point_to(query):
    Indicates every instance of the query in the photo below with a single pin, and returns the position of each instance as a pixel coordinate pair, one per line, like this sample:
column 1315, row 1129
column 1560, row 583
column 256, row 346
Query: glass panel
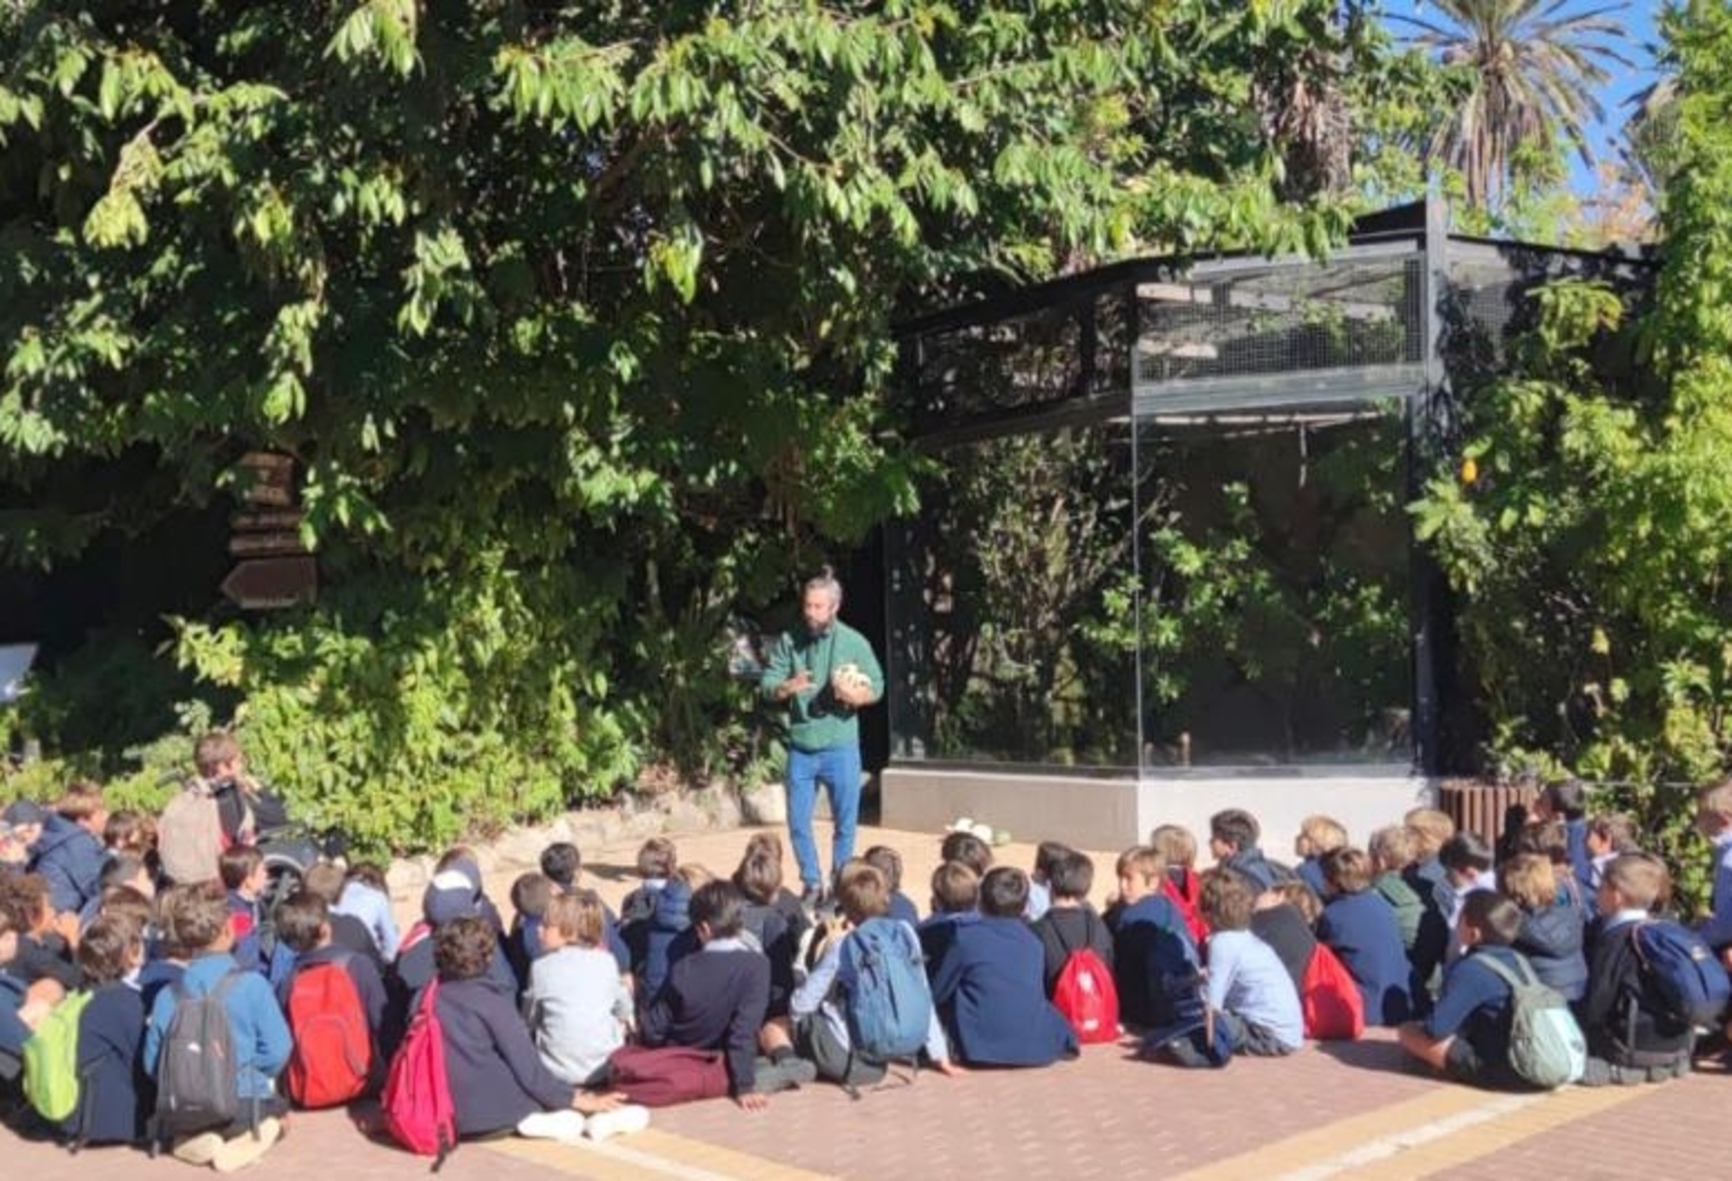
column 1274, row 617
column 1012, row 622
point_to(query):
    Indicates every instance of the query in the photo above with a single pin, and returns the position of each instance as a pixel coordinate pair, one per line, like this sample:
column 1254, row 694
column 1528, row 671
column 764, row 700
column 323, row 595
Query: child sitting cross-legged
column 1633, row 1035
column 498, row 1082
column 717, row 998
column 821, row 1007
column 955, row 903
column 1551, row 934
column 578, row 1005
column 1362, row 930
column 990, row 992
column 1070, row 923
column 1248, row 986
column 1467, row 1035
column 197, row 919
column 335, row 1002
column 110, row 1035
column 1152, row 948
column 1178, row 846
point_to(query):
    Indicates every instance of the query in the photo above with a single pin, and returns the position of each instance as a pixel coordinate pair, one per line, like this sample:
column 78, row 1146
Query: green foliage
column 529, row 288
column 1592, row 551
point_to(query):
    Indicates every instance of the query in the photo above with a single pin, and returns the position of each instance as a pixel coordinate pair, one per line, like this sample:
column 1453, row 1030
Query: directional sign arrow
column 264, row 584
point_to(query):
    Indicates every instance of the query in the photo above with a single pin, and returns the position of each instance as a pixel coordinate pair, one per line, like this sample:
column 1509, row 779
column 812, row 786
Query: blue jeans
column 838, row 769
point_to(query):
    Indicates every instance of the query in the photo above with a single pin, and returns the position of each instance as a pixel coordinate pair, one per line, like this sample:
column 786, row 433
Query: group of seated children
column 552, row 1024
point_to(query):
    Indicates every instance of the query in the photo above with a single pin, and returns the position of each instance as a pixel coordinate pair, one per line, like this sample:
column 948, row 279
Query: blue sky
column 1640, row 20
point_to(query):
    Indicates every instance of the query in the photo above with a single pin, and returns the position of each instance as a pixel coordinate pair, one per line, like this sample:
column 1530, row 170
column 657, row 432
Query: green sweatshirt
column 817, row 721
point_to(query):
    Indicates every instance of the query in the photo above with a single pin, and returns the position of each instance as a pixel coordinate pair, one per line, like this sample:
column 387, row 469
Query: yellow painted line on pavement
column 651, row 1155
column 1415, row 1137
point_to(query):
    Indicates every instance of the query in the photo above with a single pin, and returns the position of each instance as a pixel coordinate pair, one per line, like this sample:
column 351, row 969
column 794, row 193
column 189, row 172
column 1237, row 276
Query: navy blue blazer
column 1363, row 931
column 491, row 1064
column 111, row 1102
column 991, row 995
column 72, row 860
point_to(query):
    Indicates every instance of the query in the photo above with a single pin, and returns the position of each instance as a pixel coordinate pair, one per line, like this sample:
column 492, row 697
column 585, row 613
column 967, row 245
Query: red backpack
column 332, row 1060
column 1085, row 993
column 417, row 1103
column 1330, row 999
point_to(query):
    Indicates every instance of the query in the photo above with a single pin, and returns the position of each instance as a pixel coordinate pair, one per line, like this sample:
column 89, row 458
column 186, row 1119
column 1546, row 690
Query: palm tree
column 1532, row 71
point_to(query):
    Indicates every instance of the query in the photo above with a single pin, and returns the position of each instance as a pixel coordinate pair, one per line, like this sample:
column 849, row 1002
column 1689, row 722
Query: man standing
column 824, row 674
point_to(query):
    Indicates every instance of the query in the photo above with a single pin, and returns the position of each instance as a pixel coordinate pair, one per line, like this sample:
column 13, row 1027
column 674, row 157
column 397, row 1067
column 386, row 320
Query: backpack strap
column 1508, row 974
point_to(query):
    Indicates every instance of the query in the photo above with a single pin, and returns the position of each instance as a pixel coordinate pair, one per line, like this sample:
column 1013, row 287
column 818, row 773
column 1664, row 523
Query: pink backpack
column 417, row 1103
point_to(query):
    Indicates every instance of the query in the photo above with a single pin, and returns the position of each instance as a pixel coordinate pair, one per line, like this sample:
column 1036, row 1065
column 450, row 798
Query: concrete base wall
column 1106, row 814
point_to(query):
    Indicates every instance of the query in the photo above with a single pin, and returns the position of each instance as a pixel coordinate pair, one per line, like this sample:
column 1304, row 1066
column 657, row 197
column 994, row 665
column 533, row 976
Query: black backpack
column 196, row 1085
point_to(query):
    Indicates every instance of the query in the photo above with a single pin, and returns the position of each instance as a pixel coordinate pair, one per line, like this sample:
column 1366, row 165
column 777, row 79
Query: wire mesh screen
column 1017, row 363
column 1287, row 325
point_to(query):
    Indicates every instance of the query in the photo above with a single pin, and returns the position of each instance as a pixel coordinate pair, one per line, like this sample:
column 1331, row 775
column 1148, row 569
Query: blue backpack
column 890, row 1008
column 1685, row 971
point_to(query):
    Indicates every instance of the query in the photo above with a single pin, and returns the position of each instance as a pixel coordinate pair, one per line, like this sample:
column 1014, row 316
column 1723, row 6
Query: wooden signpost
column 275, row 569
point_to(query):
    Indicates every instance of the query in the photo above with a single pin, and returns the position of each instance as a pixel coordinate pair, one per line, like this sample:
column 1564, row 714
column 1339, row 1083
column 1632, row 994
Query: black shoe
column 811, row 898
column 787, row 1075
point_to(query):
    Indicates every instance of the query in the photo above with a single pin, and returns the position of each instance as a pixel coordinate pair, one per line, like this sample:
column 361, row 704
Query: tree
column 1591, row 547
column 576, row 317
column 1528, row 70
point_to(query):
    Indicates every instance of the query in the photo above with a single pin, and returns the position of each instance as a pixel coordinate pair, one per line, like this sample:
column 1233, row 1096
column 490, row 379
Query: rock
column 518, row 847
column 407, row 877
column 765, row 803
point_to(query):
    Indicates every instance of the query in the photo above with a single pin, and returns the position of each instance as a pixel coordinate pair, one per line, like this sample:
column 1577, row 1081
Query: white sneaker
column 621, row 1121
column 247, row 1148
column 197, row 1150
column 565, row 1126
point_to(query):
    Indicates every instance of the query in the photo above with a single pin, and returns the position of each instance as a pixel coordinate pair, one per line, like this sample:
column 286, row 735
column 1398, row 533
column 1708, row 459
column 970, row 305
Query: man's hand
column 796, row 684
column 752, row 1101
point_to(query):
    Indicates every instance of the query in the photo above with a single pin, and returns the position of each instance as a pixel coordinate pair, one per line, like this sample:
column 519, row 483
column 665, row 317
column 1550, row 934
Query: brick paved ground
column 1342, row 1111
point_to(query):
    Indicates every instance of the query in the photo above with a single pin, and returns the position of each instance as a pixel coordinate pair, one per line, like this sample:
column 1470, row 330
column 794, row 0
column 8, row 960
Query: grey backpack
column 1546, row 1047
column 196, row 1084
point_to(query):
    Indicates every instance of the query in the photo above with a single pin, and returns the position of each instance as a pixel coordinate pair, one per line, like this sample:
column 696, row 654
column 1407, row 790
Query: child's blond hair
column 1641, row 879
column 1142, row 861
column 1528, row 878
column 1431, row 829
column 1324, row 834
column 1391, row 848
column 577, row 916
column 1176, row 843
column 1301, row 898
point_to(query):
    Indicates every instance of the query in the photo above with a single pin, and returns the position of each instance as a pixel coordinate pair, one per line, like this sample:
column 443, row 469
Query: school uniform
column 1474, row 1008
column 653, row 916
column 111, row 1101
column 820, row 1007
column 1286, row 932
column 576, row 1005
column 988, row 994
column 780, row 942
column 1551, row 939
column 1153, row 957
column 13, row 1032
column 1623, row 1017
column 937, row 935
column 1250, row 986
column 1362, row 931
column 351, row 934
column 714, row 999
column 1716, row 929
column 1310, row 871
column 902, row 908
column 260, row 1036
column 491, row 1066
column 372, row 909
column 1064, row 929
column 71, row 859
column 45, row 957
column 1261, row 872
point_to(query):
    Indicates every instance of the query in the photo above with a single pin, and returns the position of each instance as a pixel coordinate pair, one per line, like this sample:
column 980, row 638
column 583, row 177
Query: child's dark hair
column 463, row 948
column 886, row 861
column 1004, row 892
column 1495, row 916
column 124, row 902
column 530, row 894
column 561, row 862
column 1549, row 838
column 24, row 896
column 1225, row 900
column 122, row 869
column 1072, row 876
column 368, row 874
column 1235, row 827
column 759, row 876
column 955, row 888
column 196, row 916
column 1568, row 799
column 720, row 906
column 1047, row 855
column 237, row 864
column 1348, row 870
column 968, row 849
column 1617, row 830
column 301, row 918
column 108, row 947
column 326, row 880
column 1465, row 850
column 79, row 802
column 131, row 831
